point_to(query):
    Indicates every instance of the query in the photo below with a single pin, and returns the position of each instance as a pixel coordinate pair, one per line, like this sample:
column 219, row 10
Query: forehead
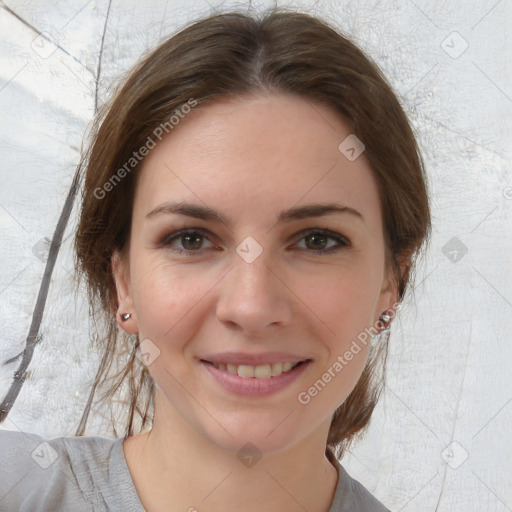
column 257, row 154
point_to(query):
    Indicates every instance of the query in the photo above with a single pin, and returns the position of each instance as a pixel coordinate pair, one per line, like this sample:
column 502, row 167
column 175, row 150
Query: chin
column 263, row 436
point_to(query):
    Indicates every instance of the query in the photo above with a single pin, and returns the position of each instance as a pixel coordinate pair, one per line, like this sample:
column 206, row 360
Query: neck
column 174, row 467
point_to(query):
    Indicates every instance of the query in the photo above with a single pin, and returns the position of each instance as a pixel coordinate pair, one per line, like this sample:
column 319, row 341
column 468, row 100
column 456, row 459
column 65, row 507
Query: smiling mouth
column 264, row 371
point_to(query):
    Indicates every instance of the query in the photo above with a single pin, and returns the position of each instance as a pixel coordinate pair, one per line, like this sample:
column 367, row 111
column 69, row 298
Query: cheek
column 163, row 296
column 342, row 299
column 165, row 301
column 171, row 301
column 344, row 308
column 343, row 302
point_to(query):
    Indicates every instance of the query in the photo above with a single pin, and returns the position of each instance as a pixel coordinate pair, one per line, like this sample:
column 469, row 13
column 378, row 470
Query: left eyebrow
column 298, row 212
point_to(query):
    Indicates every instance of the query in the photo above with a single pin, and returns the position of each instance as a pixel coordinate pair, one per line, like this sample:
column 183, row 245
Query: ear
column 389, row 295
column 121, row 272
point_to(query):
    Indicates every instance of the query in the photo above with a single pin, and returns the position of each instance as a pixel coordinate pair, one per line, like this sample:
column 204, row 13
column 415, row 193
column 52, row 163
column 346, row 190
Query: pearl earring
column 125, row 316
column 385, row 318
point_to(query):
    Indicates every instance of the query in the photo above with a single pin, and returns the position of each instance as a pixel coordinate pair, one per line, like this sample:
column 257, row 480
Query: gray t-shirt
column 78, row 474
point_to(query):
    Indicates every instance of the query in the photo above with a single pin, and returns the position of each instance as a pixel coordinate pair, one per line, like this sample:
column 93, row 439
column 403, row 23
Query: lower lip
column 248, row 386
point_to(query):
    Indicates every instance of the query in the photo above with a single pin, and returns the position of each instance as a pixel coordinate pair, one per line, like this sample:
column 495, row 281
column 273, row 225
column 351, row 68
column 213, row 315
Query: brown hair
column 234, row 54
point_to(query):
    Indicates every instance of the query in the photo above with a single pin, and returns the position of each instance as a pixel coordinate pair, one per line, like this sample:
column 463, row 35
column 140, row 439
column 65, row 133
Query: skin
column 249, row 158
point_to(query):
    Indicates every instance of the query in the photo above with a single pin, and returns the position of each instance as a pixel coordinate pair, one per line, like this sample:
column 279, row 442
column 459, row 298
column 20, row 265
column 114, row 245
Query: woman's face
column 273, row 282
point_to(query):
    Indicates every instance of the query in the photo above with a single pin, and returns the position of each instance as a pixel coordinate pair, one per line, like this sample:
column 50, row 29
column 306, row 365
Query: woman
column 253, row 204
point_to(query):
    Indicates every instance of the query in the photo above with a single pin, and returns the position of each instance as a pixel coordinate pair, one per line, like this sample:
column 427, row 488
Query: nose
column 254, row 297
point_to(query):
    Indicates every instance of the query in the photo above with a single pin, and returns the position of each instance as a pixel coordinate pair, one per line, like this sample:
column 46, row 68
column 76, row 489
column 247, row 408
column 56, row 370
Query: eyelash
column 343, row 242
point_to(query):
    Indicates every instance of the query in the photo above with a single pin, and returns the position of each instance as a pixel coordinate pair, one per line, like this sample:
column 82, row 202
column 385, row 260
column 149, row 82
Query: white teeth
column 287, row 366
column 264, row 371
column 277, row 369
column 245, row 370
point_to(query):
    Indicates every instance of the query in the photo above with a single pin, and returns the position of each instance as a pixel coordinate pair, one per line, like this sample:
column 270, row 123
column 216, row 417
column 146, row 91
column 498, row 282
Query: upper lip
column 239, row 358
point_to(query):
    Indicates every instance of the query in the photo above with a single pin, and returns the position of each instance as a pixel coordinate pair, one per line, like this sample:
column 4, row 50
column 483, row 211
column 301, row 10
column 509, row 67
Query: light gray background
column 449, row 392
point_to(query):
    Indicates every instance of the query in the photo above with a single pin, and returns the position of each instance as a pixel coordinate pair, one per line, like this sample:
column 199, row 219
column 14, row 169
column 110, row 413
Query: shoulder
column 352, row 496
column 64, row 473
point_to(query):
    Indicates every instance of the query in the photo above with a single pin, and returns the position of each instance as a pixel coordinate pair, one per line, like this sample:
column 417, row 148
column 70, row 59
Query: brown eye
column 318, row 240
column 191, row 240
